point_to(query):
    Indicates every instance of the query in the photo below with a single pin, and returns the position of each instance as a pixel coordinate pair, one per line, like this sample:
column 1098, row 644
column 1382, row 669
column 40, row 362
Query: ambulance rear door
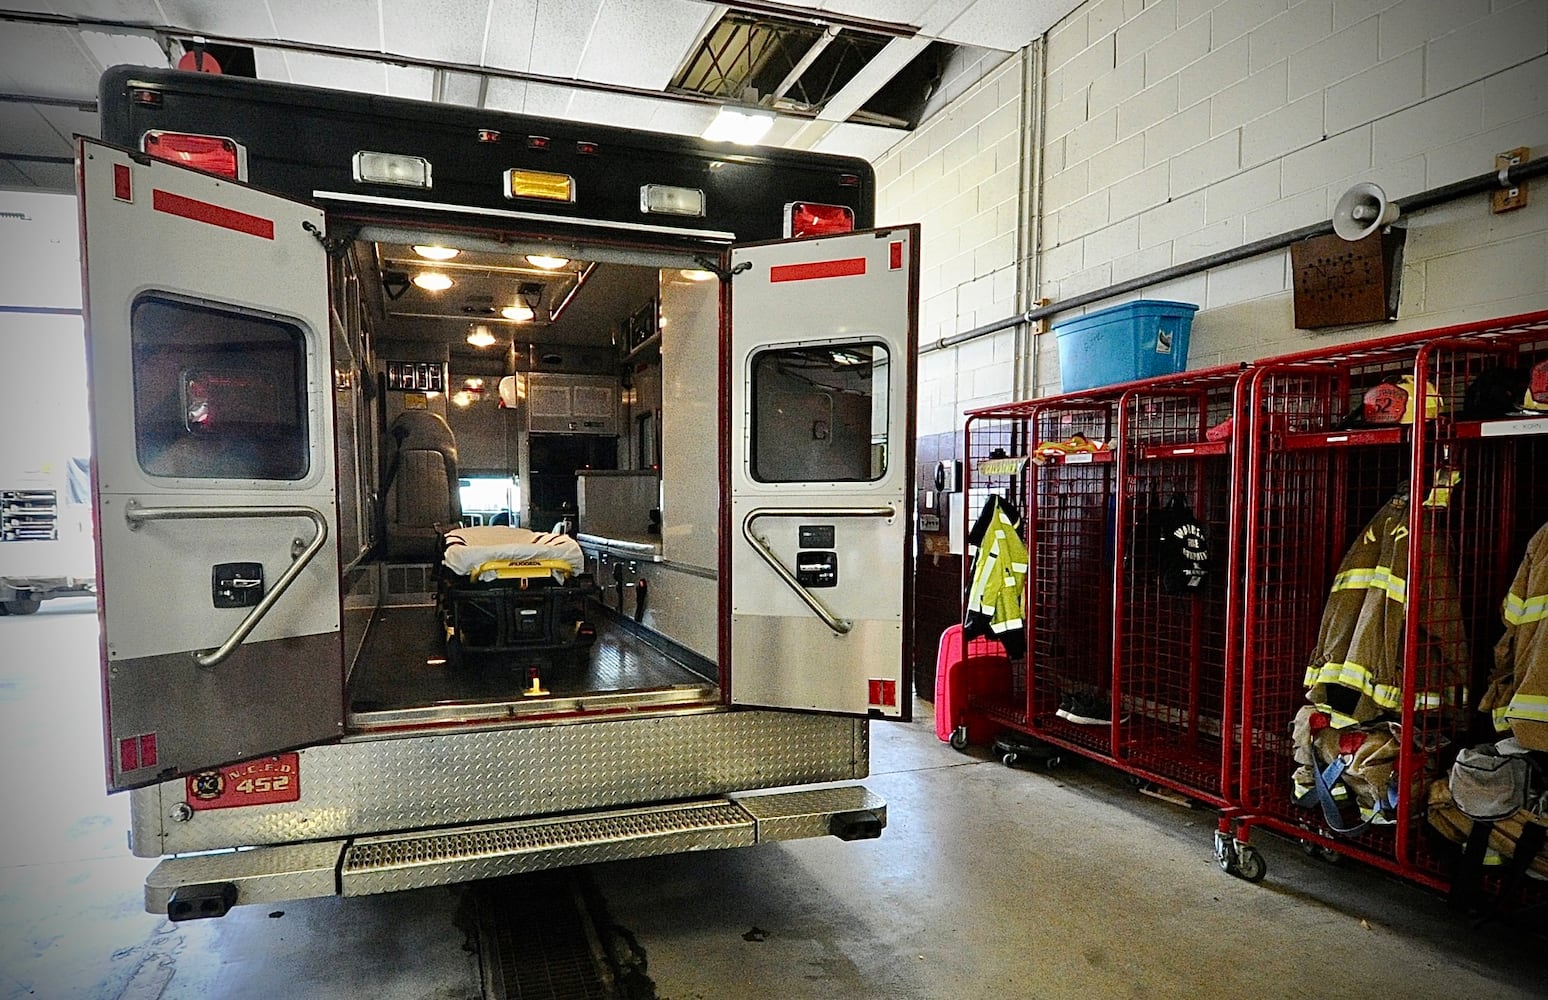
column 212, row 388
column 819, row 459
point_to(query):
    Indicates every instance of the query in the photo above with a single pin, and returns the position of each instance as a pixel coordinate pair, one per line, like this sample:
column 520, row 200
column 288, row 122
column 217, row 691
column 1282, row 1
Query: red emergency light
column 212, row 154
column 808, row 218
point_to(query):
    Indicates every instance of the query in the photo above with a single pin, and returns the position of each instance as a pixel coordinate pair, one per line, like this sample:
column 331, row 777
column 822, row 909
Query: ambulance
column 333, row 338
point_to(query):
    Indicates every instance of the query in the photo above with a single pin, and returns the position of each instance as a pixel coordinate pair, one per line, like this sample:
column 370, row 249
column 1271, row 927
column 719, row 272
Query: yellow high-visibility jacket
column 999, row 578
column 1360, row 642
column 1517, row 695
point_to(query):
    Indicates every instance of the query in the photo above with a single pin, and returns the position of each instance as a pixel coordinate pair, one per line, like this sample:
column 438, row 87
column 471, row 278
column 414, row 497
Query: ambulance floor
column 988, row 882
column 403, row 665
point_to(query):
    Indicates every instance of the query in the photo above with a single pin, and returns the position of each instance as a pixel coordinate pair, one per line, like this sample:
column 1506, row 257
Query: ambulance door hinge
column 334, row 246
column 720, row 272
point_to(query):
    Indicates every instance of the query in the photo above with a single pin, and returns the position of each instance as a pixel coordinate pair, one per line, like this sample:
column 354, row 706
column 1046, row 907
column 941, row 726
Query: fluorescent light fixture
column 481, row 337
column 744, row 128
column 432, row 252
column 519, row 313
column 546, row 262
column 432, row 281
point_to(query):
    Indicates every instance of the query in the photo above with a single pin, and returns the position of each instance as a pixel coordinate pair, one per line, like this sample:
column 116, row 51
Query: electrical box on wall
column 948, row 476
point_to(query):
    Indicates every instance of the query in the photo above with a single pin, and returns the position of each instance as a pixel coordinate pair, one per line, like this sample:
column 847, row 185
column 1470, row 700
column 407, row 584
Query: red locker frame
column 1313, row 484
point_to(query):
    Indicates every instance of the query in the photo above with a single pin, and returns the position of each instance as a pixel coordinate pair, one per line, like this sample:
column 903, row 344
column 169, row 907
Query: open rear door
column 211, row 379
column 821, row 452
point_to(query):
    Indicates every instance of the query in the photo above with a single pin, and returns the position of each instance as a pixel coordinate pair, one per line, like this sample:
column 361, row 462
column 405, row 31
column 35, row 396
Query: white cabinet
column 572, row 404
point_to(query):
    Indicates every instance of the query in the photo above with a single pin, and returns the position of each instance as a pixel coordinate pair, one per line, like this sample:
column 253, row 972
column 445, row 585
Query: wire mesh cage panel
column 1176, row 645
column 1379, row 544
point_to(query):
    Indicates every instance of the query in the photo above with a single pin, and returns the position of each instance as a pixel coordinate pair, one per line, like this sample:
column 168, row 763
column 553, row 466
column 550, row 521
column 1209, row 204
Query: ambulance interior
column 579, row 384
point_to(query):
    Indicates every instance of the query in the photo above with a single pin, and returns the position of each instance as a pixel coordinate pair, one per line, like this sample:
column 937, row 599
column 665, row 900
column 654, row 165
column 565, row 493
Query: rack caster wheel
column 959, row 739
column 1009, row 760
column 1052, row 763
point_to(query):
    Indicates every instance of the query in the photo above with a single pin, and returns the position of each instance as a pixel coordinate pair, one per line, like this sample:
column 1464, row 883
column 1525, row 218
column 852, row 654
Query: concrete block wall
column 1177, row 128
column 959, row 176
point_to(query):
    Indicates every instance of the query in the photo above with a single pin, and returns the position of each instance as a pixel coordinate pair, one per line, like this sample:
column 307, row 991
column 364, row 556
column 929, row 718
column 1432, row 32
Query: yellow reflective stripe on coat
column 1374, row 578
column 1528, row 707
column 1360, row 678
column 1521, row 610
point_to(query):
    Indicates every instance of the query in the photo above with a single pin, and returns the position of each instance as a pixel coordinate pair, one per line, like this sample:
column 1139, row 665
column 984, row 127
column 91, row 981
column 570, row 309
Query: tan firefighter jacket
column 1517, row 695
column 1360, row 643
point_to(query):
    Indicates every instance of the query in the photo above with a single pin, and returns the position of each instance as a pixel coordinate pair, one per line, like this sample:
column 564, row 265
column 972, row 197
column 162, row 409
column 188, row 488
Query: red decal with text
column 818, row 269
column 253, row 783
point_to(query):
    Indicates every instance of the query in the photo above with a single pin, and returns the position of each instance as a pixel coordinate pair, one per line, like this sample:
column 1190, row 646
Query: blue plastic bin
column 1133, row 341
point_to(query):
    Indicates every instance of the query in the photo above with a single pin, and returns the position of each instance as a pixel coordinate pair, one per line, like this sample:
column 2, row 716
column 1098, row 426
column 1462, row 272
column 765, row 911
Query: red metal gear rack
column 1314, row 481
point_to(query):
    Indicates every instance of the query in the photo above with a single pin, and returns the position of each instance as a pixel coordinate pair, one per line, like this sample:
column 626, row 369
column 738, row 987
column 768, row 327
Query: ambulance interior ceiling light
column 696, row 274
column 432, row 281
column 744, row 128
column 432, row 252
column 518, row 312
column 545, row 261
column 480, row 336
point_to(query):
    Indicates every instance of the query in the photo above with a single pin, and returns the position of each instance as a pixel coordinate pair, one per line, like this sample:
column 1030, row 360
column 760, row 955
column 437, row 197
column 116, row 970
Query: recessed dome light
column 432, row 281
column 433, row 252
column 481, row 337
column 519, row 313
column 546, row 262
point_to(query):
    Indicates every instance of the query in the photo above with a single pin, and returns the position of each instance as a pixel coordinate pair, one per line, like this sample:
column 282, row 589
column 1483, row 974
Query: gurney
column 506, row 590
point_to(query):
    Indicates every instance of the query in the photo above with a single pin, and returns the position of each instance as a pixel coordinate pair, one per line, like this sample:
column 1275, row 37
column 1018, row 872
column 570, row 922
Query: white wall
column 959, row 176
column 1172, row 129
column 1177, row 128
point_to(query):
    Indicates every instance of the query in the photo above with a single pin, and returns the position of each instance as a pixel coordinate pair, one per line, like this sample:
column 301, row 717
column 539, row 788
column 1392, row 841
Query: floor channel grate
column 536, row 940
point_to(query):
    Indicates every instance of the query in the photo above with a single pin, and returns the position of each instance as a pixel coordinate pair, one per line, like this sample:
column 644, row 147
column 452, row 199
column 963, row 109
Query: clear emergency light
column 213, row 154
column 665, row 199
column 391, row 168
column 808, row 218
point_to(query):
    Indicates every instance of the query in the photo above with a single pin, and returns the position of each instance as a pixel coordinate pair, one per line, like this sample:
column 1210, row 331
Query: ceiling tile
column 546, row 101
column 1006, row 25
column 352, row 23
column 897, row 11
column 506, row 95
column 247, row 20
column 560, row 35
column 67, row 122
column 620, row 110
column 445, row 30
column 138, row 48
column 461, row 88
column 511, row 34
column 50, row 176
column 148, row 11
column 656, row 35
column 867, row 141
column 46, row 61
column 413, row 82
column 271, row 65
column 24, row 130
column 10, row 177
column 337, row 73
column 681, row 118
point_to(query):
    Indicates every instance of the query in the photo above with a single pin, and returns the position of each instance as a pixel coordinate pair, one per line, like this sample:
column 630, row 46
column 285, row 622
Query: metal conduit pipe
column 1413, row 203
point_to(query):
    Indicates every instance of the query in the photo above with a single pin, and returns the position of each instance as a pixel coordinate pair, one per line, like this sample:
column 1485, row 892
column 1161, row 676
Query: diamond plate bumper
column 370, row 865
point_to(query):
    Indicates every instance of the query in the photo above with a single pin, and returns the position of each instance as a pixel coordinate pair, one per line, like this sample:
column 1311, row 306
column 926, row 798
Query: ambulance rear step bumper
column 208, row 885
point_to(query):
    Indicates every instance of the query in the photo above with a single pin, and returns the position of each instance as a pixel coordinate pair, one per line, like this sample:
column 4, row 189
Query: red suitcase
column 961, row 676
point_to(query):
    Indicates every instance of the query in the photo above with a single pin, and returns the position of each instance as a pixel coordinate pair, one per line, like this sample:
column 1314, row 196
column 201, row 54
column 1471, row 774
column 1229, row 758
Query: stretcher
column 517, row 592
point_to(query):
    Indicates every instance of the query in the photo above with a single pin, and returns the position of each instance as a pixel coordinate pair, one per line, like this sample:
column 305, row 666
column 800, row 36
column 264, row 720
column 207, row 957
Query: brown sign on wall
column 1340, row 282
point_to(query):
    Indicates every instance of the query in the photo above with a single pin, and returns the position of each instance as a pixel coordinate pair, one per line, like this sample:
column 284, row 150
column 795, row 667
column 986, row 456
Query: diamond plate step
column 390, row 863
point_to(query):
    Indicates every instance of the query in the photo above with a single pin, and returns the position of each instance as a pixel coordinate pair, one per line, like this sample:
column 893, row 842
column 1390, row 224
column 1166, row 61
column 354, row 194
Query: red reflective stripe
column 203, row 211
column 123, row 189
column 818, row 269
column 129, row 754
column 895, row 256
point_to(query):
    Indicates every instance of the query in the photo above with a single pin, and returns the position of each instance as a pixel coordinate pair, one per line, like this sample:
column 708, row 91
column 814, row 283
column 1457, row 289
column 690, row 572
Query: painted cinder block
column 1512, row 36
column 1368, row 96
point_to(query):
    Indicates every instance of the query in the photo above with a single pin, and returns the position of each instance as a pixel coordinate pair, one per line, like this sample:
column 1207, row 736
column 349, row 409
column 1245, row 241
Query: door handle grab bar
column 137, row 515
column 840, row 626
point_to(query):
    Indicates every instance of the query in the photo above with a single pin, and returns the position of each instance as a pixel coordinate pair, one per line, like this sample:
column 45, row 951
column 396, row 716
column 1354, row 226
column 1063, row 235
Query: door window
column 218, row 394
column 820, row 414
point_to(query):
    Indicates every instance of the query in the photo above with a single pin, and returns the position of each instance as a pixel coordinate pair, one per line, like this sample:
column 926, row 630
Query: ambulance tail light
column 213, row 154
column 808, row 218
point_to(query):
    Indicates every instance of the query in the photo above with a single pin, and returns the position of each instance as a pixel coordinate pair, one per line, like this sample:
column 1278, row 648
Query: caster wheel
column 1009, row 760
column 23, row 606
column 1052, row 763
column 1250, row 865
column 1134, row 781
column 959, row 738
column 1225, row 853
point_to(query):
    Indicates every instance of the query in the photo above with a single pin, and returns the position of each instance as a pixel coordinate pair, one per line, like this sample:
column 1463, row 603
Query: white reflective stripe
column 1528, row 708
column 1520, row 610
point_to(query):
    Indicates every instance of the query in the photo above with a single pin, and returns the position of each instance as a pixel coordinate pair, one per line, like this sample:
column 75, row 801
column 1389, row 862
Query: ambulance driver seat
column 421, row 499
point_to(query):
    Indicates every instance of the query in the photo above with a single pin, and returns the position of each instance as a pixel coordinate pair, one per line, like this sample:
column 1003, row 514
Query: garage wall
column 959, row 176
column 1177, row 128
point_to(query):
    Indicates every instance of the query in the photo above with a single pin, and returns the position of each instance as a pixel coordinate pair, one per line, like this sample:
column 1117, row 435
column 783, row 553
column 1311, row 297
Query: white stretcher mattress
column 469, row 548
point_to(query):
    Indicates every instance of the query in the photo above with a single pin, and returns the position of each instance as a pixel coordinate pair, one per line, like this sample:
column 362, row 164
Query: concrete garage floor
column 987, row 882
